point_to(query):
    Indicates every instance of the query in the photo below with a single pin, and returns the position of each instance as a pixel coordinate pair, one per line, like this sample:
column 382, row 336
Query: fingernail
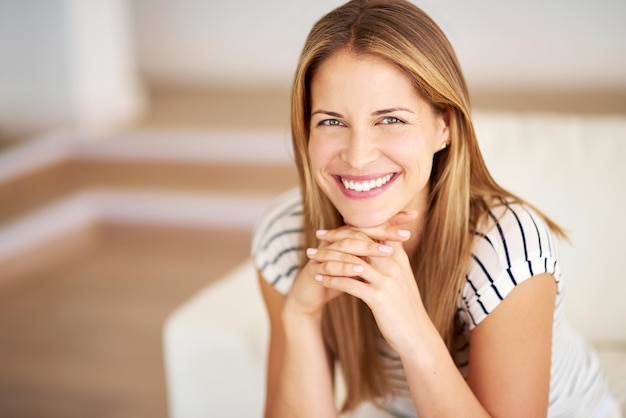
column 385, row 249
column 411, row 212
column 320, row 232
column 358, row 269
column 318, row 277
column 404, row 233
column 311, row 251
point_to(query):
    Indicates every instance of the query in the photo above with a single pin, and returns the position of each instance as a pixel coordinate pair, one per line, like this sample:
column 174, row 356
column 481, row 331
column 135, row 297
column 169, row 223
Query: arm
column 519, row 329
column 299, row 375
column 510, row 351
column 510, row 354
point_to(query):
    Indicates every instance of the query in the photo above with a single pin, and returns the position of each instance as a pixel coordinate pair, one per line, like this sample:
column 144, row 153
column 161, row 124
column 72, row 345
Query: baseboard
column 82, row 209
column 270, row 148
column 77, row 211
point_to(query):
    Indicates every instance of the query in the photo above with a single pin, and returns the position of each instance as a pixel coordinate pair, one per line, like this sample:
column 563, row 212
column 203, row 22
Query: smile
column 366, row 185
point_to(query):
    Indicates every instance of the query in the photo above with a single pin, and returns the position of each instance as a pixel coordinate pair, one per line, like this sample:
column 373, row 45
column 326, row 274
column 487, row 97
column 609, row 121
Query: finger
column 375, row 234
column 387, row 232
column 340, row 233
column 358, row 248
column 347, row 285
column 397, row 264
column 351, row 241
column 327, row 254
column 395, row 229
column 322, row 255
column 338, row 269
column 403, row 218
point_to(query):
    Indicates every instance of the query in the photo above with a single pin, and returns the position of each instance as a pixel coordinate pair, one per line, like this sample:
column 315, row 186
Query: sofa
column 573, row 167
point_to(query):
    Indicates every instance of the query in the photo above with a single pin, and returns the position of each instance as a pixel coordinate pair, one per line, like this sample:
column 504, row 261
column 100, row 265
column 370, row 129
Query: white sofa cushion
column 574, row 169
column 215, row 348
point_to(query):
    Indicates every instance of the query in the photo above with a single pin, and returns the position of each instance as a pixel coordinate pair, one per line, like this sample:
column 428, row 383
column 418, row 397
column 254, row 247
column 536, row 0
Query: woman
column 436, row 291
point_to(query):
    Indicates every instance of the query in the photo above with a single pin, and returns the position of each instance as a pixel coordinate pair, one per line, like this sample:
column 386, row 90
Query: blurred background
column 139, row 139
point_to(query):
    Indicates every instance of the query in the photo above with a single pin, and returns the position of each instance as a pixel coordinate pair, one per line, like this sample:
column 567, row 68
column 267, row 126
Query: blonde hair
column 460, row 184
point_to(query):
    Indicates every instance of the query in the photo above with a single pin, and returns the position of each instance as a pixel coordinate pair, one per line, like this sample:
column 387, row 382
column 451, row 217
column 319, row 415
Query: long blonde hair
column 460, row 184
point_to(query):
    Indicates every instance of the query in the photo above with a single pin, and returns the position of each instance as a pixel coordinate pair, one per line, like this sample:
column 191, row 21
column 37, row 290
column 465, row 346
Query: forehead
column 345, row 78
column 344, row 65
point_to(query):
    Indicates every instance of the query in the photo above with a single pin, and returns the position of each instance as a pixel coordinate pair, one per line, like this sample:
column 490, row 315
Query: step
column 63, row 183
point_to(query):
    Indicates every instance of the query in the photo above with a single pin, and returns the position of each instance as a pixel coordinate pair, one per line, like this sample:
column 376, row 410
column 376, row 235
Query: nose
column 359, row 150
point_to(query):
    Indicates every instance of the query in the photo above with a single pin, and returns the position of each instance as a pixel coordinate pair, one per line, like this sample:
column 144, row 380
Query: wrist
column 423, row 348
column 295, row 320
column 421, row 334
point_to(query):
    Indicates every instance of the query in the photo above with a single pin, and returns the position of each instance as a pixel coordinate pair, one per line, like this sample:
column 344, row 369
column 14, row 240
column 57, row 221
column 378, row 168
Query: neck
column 417, row 229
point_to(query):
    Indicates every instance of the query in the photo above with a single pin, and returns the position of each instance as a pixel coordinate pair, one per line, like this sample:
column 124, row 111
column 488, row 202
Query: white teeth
column 366, row 186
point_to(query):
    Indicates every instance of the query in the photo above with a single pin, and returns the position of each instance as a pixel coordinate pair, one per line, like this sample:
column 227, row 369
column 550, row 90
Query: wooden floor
column 81, row 333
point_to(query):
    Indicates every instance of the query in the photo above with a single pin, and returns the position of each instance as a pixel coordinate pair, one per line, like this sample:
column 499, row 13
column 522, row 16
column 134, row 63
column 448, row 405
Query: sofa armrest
column 215, row 346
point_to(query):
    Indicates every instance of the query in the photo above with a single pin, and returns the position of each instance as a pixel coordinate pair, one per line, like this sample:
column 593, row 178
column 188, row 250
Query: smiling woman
column 378, row 139
column 437, row 291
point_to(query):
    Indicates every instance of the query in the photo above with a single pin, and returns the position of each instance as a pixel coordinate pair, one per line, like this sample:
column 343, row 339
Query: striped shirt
column 511, row 246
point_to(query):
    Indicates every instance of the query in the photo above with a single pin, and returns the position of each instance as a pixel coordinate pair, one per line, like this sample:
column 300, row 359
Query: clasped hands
column 370, row 264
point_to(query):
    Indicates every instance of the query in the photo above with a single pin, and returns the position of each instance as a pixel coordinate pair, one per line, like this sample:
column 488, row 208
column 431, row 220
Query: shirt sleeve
column 277, row 249
column 516, row 246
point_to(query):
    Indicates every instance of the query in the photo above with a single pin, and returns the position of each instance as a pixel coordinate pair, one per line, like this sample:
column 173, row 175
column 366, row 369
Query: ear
column 443, row 127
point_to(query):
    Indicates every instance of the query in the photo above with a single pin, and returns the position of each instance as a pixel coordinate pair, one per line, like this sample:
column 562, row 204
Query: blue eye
column 390, row 120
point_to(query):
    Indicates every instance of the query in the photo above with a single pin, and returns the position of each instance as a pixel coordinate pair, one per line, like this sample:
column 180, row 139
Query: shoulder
column 514, row 233
column 511, row 244
column 277, row 241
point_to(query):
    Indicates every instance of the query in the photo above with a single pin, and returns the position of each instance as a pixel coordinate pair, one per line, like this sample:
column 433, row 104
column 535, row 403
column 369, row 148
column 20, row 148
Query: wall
column 564, row 44
column 69, row 63
column 33, row 65
column 66, row 64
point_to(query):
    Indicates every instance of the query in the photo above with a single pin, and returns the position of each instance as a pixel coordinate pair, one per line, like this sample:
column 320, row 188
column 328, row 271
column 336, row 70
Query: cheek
column 317, row 160
column 415, row 155
column 319, row 154
column 417, row 161
column 313, row 151
column 426, row 163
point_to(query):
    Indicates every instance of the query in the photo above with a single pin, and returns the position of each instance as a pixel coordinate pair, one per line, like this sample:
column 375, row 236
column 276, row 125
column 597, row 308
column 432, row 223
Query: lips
column 364, row 186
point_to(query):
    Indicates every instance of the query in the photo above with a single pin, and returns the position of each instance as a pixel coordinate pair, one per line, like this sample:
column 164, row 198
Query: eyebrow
column 327, row 112
column 375, row 113
column 391, row 110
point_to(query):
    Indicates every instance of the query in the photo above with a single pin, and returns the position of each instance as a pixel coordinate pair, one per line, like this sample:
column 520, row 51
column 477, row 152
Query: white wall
column 78, row 62
column 66, row 64
column 33, row 65
column 554, row 43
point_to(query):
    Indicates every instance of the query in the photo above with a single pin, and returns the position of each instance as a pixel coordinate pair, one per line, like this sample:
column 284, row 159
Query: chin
column 364, row 220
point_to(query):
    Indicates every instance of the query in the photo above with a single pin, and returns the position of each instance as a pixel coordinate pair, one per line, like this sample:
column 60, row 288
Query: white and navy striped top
column 513, row 245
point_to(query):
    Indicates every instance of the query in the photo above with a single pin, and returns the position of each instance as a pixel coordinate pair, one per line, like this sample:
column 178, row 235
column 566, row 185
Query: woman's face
column 372, row 138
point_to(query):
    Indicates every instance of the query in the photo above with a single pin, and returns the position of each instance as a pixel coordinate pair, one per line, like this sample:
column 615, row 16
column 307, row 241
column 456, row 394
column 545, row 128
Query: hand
column 307, row 297
column 371, row 264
